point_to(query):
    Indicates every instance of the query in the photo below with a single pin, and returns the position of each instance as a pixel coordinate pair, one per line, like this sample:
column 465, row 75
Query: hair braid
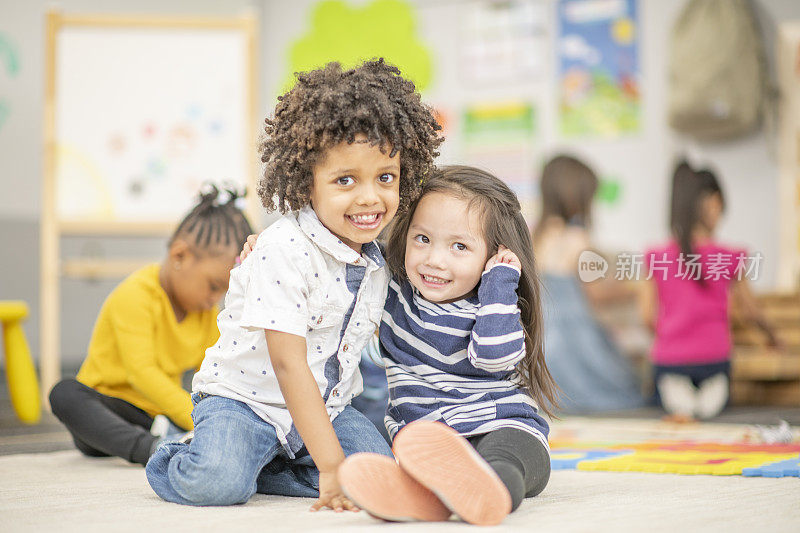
column 214, row 225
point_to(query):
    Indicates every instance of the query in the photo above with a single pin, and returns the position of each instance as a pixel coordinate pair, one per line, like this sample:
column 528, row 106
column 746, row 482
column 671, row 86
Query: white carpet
column 64, row 491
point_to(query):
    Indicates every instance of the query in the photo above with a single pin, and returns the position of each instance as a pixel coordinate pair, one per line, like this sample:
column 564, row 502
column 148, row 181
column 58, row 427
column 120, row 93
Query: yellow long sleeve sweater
column 139, row 351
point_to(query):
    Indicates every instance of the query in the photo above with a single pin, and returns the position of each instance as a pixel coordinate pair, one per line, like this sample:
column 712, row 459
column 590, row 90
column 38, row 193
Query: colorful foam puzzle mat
column 789, row 467
column 567, row 459
column 679, row 457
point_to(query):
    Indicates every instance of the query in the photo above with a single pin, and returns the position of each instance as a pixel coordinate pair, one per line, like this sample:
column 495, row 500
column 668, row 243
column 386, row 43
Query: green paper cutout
column 5, row 110
column 8, row 56
column 9, row 61
column 351, row 35
column 609, row 191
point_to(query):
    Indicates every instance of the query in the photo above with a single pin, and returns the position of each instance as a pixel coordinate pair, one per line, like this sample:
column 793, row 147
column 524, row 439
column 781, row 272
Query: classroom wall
column 640, row 163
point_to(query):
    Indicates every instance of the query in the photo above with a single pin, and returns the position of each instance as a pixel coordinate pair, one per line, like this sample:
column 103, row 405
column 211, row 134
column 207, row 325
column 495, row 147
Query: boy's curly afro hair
column 330, row 105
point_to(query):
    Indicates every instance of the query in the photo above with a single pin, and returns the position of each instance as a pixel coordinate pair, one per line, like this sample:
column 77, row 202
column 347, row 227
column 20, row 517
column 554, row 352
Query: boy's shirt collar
column 331, row 244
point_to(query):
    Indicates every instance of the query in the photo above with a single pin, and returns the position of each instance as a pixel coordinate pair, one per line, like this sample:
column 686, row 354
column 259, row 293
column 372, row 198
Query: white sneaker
column 712, row 396
column 166, row 431
column 163, row 427
column 678, row 395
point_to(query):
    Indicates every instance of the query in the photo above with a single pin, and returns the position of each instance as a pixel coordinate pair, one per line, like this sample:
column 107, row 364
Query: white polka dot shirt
column 299, row 279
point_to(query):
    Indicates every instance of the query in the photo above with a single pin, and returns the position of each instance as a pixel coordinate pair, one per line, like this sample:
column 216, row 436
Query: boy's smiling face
column 356, row 191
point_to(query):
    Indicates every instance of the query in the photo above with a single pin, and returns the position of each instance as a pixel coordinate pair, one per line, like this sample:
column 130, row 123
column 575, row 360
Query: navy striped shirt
column 455, row 363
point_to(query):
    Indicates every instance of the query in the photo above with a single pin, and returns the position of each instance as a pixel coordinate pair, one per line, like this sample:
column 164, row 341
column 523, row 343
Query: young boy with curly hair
column 345, row 150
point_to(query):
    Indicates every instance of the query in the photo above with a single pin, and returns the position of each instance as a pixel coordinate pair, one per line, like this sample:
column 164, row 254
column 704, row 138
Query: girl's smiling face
column 356, row 191
column 445, row 248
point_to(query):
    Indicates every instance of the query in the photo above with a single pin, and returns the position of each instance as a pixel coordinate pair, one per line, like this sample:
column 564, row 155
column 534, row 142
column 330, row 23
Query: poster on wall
column 503, row 41
column 598, row 68
column 499, row 137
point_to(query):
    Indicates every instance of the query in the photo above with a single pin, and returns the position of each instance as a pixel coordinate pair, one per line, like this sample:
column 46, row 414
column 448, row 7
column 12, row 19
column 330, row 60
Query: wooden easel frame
column 52, row 228
column 788, row 69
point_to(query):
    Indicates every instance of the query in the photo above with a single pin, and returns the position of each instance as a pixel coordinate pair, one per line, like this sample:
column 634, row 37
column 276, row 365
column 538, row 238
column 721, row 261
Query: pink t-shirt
column 693, row 326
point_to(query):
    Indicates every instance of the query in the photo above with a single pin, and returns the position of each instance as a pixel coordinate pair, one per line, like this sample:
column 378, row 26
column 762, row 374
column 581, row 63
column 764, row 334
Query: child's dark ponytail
column 216, row 223
column 689, row 189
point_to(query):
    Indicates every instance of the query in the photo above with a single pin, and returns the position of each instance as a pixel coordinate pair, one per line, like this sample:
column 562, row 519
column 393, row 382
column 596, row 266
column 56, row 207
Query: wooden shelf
column 782, row 315
column 754, row 337
column 759, row 364
column 102, row 268
column 784, row 393
column 115, row 228
column 761, row 375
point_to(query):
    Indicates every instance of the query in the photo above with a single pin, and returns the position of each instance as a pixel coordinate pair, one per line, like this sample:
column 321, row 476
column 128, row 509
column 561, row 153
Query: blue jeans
column 374, row 400
column 235, row 453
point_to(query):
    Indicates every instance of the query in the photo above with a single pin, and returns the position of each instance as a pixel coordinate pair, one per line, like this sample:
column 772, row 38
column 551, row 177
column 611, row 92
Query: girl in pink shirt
column 686, row 300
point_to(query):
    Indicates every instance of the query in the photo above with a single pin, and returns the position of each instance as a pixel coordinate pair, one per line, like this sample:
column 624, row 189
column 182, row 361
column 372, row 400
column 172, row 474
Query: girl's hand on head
column 504, row 256
column 249, row 244
column 331, row 495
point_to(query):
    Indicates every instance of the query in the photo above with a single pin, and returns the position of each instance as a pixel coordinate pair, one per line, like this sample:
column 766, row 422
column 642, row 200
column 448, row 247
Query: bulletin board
column 140, row 113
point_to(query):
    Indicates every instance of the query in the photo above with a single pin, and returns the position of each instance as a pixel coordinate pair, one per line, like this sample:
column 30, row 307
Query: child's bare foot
column 678, row 419
column 378, row 485
column 446, row 463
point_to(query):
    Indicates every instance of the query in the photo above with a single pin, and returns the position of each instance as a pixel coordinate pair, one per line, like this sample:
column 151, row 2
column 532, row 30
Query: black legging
column 101, row 425
column 520, row 460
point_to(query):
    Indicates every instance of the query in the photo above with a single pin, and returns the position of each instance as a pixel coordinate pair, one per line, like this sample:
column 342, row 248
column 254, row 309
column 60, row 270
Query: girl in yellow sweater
column 153, row 327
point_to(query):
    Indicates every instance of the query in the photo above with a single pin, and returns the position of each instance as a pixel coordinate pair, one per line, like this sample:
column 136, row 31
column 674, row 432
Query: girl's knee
column 537, row 470
column 62, row 397
column 540, row 478
column 87, row 450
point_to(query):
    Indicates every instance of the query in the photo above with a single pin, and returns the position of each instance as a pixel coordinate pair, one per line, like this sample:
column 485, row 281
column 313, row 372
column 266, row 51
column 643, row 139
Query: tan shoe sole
column 378, row 485
column 446, row 463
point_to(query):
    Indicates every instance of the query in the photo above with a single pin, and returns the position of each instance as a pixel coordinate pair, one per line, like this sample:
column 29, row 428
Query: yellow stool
column 23, row 385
